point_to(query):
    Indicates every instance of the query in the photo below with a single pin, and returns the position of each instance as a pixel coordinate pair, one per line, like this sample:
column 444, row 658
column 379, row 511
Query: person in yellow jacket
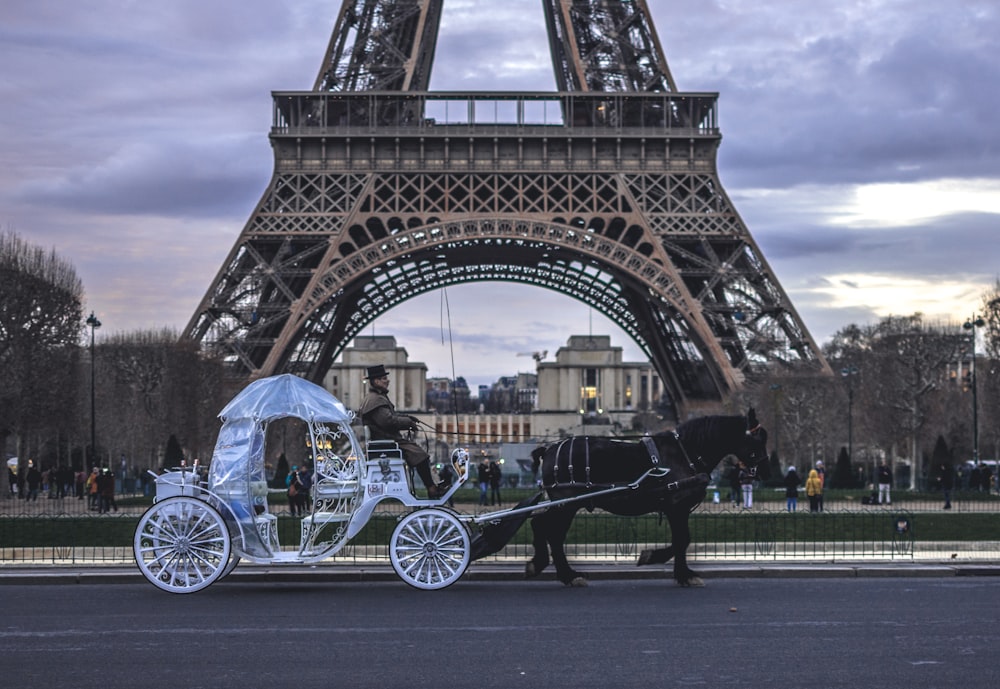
column 814, row 489
column 91, row 488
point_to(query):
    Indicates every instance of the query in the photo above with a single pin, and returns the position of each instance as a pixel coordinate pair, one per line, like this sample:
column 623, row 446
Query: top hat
column 373, row 372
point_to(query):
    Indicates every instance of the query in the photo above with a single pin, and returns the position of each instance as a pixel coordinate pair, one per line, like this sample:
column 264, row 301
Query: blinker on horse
column 666, row 473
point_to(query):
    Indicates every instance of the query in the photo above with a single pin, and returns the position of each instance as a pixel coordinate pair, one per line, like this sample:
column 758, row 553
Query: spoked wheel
column 429, row 549
column 182, row 545
column 234, row 560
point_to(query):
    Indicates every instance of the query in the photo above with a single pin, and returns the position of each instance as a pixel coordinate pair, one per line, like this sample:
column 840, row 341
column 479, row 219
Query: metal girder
column 605, row 45
column 384, row 45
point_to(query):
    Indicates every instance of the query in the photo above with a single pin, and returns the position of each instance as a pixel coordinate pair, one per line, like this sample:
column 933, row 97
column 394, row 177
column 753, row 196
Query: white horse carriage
column 196, row 532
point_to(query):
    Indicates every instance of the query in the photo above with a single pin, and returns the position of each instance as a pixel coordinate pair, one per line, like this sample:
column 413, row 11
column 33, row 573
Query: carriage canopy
column 285, row 395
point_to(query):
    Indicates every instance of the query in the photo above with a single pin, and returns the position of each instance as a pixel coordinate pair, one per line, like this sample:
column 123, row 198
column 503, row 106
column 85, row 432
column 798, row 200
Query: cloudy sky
column 861, row 146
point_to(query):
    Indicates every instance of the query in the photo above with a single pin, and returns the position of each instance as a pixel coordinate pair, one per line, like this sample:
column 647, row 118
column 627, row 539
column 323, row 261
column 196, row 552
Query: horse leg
column 540, row 560
column 655, row 556
column 681, row 535
column 560, row 524
column 550, row 529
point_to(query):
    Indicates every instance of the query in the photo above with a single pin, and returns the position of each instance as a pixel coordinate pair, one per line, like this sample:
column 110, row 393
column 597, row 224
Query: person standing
column 106, row 492
column 821, row 472
column 944, row 476
column 292, row 484
column 483, row 472
column 792, row 483
column 495, row 477
column 734, row 483
column 746, row 486
column 91, row 486
column 303, row 486
column 884, row 483
column 34, row 481
column 385, row 423
column 814, row 491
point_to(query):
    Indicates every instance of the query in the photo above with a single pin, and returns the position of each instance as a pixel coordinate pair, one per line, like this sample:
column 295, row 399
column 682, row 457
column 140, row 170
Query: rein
column 697, row 465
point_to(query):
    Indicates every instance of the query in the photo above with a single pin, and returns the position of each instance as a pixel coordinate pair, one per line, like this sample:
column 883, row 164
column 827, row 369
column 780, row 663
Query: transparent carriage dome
column 237, row 471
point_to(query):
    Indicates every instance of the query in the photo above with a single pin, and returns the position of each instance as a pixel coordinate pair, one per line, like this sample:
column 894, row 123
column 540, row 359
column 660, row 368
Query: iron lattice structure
column 606, row 191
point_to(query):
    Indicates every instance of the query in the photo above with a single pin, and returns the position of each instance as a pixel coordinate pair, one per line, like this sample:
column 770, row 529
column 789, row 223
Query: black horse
column 666, row 473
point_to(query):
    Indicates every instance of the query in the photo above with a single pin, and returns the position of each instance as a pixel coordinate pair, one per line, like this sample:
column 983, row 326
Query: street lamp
column 972, row 324
column 94, row 325
column 848, row 373
column 776, row 389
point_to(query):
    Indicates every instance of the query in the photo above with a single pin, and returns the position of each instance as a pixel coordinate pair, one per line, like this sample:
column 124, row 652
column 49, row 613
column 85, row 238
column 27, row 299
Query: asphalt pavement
column 381, row 572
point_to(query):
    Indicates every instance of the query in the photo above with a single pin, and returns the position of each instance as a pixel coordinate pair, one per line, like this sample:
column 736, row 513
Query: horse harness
column 656, row 470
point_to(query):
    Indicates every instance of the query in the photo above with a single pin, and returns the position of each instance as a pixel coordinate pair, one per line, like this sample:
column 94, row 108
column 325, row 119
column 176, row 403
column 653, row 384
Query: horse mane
column 705, row 430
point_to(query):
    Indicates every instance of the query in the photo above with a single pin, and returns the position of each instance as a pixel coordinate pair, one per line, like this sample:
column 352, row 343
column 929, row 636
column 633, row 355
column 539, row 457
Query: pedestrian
column 292, row 486
column 884, row 483
column 495, row 477
column 944, row 478
column 483, row 472
column 814, row 490
column 303, row 488
column 746, row 486
column 734, row 483
column 34, row 481
column 79, row 481
column 792, row 483
column 379, row 414
column 106, row 492
column 821, row 472
column 12, row 481
column 91, row 487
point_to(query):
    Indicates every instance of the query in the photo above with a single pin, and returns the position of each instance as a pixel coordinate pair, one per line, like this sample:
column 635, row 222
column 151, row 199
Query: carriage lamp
column 972, row 324
column 94, row 325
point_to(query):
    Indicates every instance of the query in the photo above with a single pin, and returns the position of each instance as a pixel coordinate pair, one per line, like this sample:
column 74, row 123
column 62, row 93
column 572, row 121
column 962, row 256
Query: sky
column 861, row 146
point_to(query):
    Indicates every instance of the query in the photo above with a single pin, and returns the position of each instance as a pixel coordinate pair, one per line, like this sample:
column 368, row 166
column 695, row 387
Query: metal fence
column 718, row 535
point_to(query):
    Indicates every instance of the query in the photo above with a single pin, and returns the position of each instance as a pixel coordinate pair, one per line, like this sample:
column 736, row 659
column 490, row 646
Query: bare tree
column 40, row 319
column 908, row 363
column 154, row 386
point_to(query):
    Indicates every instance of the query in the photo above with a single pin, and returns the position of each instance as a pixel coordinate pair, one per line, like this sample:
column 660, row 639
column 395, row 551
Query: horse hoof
column 693, row 582
column 579, row 582
column 529, row 570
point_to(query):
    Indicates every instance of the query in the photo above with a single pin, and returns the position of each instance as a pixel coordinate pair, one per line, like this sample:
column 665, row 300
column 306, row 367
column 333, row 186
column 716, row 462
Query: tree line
column 900, row 388
column 152, row 389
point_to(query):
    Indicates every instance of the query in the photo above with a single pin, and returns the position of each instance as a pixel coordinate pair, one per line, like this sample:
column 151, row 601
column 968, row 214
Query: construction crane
column 537, row 356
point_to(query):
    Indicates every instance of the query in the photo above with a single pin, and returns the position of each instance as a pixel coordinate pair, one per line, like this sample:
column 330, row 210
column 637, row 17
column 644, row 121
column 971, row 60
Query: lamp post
column 94, row 325
column 848, row 372
column 972, row 324
column 776, row 389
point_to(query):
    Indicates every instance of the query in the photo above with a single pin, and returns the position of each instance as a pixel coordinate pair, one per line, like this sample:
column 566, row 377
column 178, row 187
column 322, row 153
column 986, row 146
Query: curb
column 14, row 575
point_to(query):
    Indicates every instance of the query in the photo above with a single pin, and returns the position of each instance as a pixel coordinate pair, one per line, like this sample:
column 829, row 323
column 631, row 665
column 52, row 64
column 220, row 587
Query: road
column 797, row 632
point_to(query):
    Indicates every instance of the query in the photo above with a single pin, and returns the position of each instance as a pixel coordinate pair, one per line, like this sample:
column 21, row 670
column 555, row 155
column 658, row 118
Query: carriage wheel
column 234, row 560
column 182, row 545
column 429, row 549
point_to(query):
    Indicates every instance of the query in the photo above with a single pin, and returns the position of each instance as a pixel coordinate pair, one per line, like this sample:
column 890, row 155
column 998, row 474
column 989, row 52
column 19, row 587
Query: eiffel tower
column 606, row 190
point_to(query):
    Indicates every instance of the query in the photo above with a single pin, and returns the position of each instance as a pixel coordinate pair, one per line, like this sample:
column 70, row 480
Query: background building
column 407, row 381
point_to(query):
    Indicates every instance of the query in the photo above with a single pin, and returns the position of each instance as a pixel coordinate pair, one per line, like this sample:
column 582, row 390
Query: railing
column 758, row 536
column 425, row 114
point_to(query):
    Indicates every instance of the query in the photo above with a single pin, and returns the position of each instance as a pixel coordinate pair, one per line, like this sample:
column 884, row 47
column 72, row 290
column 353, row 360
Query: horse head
column 755, row 449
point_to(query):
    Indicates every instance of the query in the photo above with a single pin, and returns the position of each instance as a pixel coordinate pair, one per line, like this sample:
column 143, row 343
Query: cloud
column 859, row 146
